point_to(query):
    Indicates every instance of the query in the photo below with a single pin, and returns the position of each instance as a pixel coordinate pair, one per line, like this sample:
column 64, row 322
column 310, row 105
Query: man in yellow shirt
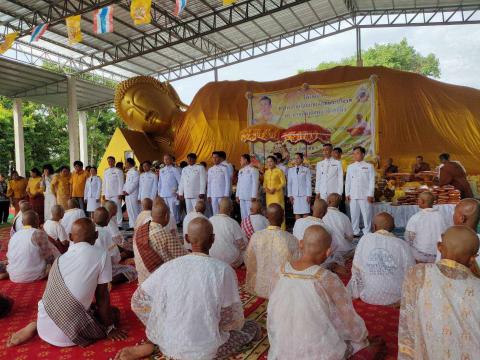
column 77, row 182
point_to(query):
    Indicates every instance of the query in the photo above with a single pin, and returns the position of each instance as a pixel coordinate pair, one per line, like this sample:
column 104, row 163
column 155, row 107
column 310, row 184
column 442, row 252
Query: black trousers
column 4, row 207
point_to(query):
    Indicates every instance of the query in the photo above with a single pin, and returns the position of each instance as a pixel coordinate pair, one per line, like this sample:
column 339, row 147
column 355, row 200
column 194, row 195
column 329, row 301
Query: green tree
column 400, row 56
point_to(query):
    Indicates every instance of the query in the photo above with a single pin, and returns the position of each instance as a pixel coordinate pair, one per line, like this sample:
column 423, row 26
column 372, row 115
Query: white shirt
column 229, row 170
column 424, row 229
column 248, row 182
column 168, row 181
column 55, row 230
column 193, row 181
column 189, row 217
column 299, row 181
column 189, row 329
column 131, row 182
column 218, row 182
column 230, row 241
column 303, row 223
column 83, row 267
column 339, row 223
column 259, row 222
column 93, row 188
column 105, row 242
column 70, row 217
column 379, row 267
column 329, row 178
column 360, row 181
column 113, row 180
column 147, row 186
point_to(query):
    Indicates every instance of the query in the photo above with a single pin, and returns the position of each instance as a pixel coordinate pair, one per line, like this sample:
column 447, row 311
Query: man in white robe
column 193, row 183
column 117, row 236
column 380, row 263
column 208, row 321
column 425, row 228
column 72, row 214
column 319, row 210
column 327, row 327
column 112, row 187
column 17, row 223
column 168, row 182
column 148, row 182
column 54, row 229
column 230, row 241
column 130, row 191
column 30, row 254
column 267, row 251
column 441, row 303
column 247, row 185
column 198, row 213
column 299, row 184
column 340, row 223
column 255, row 221
column 218, row 183
column 146, row 213
column 329, row 174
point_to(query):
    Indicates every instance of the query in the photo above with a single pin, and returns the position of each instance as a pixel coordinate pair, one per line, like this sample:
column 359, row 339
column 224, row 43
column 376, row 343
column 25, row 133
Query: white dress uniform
column 192, row 184
column 168, row 181
column 329, row 178
column 131, row 200
column 93, row 191
column 112, row 189
column 50, row 198
column 230, row 171
column 247, row 188
column 359, row 185
column 218, row 185
column 299, row 187
column 147, row 186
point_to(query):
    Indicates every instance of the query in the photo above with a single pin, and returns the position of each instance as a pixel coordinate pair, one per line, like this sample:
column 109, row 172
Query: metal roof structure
column 205, row 37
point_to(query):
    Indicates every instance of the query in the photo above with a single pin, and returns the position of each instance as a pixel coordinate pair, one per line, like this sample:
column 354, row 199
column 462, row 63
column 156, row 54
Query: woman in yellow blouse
column 273, row 183
column 17, row 187
column 61, row 186
column 35, row 193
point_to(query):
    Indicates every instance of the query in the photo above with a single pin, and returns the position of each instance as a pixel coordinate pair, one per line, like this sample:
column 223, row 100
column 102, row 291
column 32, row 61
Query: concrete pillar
column 73, row 145
column 18, row 134
column 359, row 47
column 82, row 127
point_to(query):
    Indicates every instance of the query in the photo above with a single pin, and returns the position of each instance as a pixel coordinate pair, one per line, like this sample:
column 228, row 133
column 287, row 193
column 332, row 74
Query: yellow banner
column 342, row 114
column 140, row 11
column 8, row 42
column 74, row 30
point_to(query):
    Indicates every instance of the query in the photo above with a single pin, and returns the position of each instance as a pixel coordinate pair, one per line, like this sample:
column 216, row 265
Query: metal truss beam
column 340, row 24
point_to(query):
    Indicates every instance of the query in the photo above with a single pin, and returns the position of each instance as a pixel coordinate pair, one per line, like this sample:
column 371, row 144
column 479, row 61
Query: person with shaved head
column 191, row 306
column 30, row 254
column 441, row 302
column 17, row 224
column 66, row 313
column 255, row 221
column 310, row 313
column 230, row 241
column 380, row 263
column 267, row 251
column 319, row 210
column 146, row 213
column 198, row 212
column 55, row 231
column 126, row 244
column 339, row 223
column 425, row 228
column 153, row 242
column 72, row 214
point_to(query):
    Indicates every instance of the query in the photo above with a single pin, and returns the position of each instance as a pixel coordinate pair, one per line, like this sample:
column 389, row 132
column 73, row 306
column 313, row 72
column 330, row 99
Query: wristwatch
column 110, row 328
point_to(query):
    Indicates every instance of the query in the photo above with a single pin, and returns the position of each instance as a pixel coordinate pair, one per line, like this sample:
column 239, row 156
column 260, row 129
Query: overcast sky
column 457, row 47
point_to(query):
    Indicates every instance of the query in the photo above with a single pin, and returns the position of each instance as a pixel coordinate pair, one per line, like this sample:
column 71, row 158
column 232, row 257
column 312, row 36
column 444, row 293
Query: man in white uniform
column 230, row 241
column 200, row 319
column 255, row 221
column 168, row 181
column 198, row 213
column 148, row 183
column 380, row 263
column 359, row 190
column 112, row 187
column 425, row 228
column 247, row 185
column 30, row 254
column 218, row 183
column 72, row 214
column 76, row 278
column 280, row 164
column 329, row 174
column 339, row 223
column 130, row 191
column 224, row 162
column 299, row 184
column 193, row 182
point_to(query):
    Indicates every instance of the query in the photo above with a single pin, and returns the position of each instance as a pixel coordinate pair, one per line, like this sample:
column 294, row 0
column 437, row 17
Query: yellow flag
column 73, row 29
column 228, row 2
column 140, row 11
column 8, row 42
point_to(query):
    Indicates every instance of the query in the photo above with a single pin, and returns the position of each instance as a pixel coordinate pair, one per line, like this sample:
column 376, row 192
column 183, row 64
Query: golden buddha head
column 148, row 105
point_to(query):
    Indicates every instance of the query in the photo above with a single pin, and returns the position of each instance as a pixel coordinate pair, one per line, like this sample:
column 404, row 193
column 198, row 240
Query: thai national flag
column 103, row 20
column 179, row 6
column 38, row 31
